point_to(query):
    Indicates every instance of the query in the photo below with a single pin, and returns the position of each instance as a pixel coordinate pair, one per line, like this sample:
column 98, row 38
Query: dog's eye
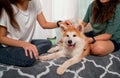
column 74, row 35
column 67, row 35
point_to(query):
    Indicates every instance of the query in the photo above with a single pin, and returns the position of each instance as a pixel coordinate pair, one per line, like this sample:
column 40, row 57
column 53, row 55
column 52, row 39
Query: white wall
column 64, row 9
column 83, row 5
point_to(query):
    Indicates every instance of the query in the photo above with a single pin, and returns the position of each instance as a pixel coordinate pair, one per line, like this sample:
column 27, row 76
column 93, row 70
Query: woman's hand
column 30, row 49
column 89, row 39
column 66, row 23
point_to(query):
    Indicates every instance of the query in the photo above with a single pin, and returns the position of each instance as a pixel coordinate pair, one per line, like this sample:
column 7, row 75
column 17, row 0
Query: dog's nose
column 69, row 41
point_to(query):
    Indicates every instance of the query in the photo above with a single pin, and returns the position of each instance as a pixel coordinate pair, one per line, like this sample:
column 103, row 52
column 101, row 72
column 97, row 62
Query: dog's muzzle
column 71, row 44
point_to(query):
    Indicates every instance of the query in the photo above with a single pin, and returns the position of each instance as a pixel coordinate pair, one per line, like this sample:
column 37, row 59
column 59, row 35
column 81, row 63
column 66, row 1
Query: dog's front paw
column 51, row 50
column 43, row 58
column 60, row 70
column 54, row 49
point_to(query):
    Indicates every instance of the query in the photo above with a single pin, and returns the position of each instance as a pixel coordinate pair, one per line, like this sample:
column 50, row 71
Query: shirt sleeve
column 3, row 19
column 114, row 24
column 88, row 13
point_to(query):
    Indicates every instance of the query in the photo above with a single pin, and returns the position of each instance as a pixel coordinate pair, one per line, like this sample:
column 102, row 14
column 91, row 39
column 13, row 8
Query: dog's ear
column 63, row 27
column 80, row 28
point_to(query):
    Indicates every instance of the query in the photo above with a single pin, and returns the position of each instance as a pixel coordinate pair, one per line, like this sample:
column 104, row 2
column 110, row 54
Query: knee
column 98, row 50
column 27, row 62
column 43, row 48
column 49, row 44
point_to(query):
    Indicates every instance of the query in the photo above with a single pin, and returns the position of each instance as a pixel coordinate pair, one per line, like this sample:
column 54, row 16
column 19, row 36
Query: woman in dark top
column 104, row 17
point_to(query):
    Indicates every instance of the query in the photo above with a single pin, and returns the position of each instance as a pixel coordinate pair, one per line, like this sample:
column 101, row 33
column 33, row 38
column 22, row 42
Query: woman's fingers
column 26, row 52
column 31, row 54
column 31, row 51
column 68, row 22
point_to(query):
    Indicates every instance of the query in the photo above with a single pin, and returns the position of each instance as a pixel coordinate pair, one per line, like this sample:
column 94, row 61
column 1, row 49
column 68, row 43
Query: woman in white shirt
column 17, row 25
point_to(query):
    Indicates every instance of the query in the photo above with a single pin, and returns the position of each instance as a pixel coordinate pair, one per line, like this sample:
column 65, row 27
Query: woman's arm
column 49, row 25
column 8, row 41
column 102, row 37
column 44, row 23
column 28, row 47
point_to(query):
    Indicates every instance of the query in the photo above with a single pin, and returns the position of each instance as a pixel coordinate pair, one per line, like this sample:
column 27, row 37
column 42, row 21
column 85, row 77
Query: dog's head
column 72, row 36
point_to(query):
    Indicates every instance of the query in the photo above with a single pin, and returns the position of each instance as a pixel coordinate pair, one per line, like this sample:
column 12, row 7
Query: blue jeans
column 16, row 55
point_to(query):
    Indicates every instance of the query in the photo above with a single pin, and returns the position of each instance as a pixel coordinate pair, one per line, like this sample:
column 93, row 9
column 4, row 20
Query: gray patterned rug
column 91, row 67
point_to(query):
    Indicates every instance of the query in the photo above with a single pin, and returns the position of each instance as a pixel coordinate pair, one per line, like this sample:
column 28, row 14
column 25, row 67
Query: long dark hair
column 6, row 4
column 103, row 12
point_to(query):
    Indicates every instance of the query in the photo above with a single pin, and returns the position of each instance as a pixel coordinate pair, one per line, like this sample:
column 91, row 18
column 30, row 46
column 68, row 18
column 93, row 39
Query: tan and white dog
column 72, row 46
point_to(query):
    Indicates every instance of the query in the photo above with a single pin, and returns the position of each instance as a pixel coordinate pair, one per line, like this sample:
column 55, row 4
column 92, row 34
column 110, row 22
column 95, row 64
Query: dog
column 72, row 45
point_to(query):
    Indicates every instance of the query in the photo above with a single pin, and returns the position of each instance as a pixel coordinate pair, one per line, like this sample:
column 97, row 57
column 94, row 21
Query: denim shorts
column 116, row 45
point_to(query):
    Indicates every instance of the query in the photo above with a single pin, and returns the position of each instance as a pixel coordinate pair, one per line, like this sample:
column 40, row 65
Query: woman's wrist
column 58, row 23
column 93, row 40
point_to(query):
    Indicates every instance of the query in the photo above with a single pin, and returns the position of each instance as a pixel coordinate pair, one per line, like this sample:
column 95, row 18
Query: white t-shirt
column 25, row 19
